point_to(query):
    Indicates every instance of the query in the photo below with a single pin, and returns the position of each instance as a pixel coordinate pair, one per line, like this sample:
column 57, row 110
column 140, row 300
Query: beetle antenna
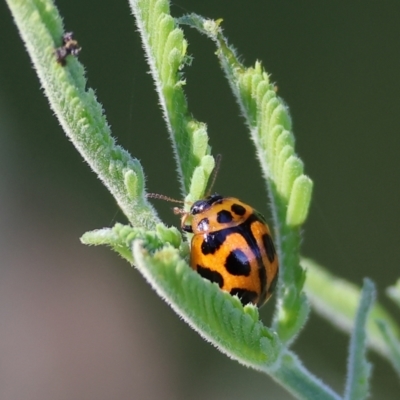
column 215, row 171
column 179, row 211
column 162, row 197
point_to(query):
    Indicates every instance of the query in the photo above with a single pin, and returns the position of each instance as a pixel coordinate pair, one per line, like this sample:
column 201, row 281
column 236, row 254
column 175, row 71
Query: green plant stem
column 292, row 375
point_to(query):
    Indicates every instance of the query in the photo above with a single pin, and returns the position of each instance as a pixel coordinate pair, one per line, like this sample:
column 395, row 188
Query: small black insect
column 69, row 47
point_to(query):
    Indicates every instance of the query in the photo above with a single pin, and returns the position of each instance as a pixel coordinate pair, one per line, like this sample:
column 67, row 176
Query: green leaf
column 392, row 343
column 120, row 239
column 215, row 315
column 166, row 48
column 78, row 111
column 394, row 292
column 336, row 300
column 358, row 369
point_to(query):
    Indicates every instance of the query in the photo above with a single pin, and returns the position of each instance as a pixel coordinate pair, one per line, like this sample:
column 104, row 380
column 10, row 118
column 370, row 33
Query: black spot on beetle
column 237, row 263
column 238, row 209
column 213, row 241
column 210, row 275
column 224, row 217
column 269, row 247
column 245, row 296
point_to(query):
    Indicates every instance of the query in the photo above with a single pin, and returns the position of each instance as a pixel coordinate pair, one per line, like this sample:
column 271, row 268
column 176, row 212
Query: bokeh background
column 79, row 322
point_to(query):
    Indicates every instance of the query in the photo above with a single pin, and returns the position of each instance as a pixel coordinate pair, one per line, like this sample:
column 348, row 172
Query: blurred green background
column 78, row 322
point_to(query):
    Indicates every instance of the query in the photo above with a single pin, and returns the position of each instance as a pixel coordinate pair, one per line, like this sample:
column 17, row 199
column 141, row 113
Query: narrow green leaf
column 336, row 300
column 358, row 368
column 394, row 292
column 166, row 48
column 215, row 315
column 393, row 344
column 78, row 110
